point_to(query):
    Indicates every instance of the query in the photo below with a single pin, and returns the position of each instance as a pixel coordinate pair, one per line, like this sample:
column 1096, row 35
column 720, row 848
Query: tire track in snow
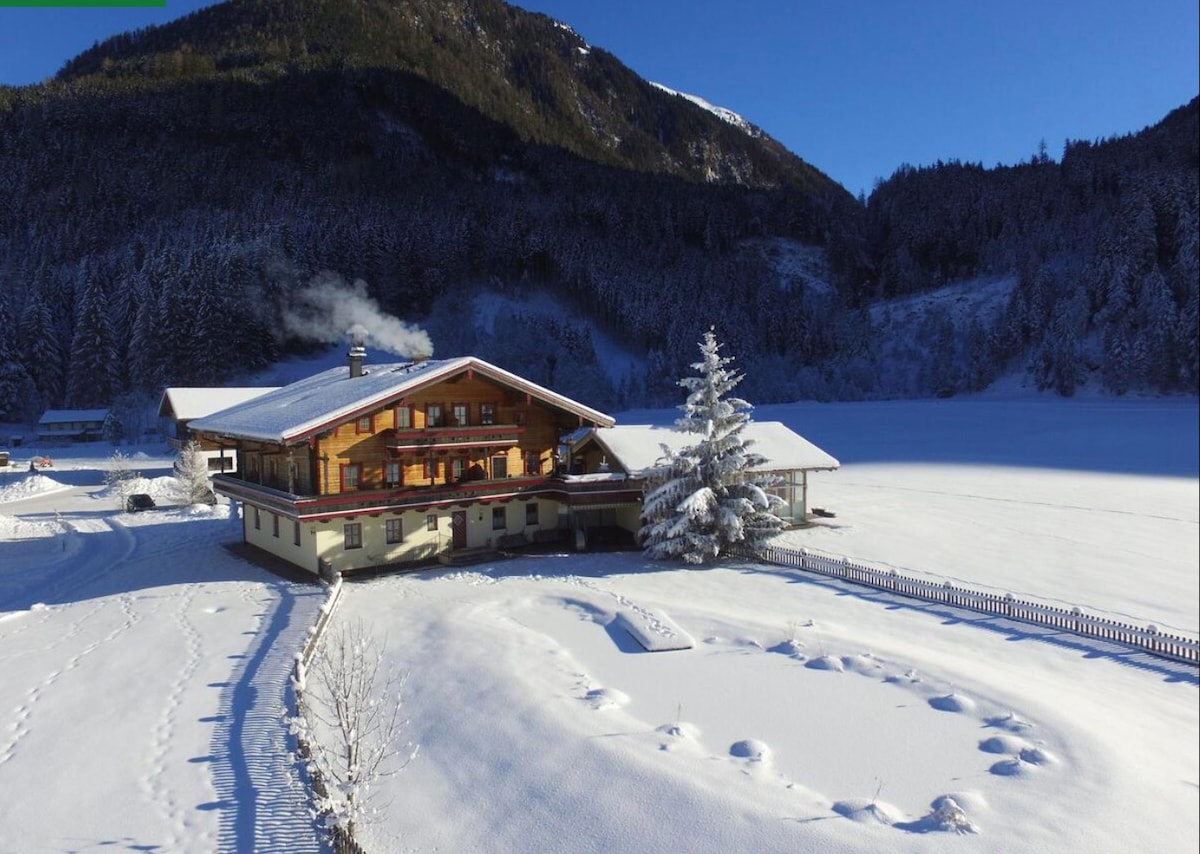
column 61, row 581
column 92, row 564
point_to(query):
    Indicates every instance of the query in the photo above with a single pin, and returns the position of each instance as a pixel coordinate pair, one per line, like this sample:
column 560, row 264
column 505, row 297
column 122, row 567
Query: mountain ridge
column 523, row 69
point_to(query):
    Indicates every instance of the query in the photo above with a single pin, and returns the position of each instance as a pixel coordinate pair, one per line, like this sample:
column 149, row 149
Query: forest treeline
column 171, row 190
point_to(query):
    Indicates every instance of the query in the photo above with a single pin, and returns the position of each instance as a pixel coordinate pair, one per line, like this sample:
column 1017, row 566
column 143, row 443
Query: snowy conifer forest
column 165, row 207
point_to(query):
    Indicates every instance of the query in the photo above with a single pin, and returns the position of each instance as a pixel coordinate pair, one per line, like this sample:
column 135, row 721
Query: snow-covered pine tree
column 706, row 497
column 13, row 379
column 191, row 474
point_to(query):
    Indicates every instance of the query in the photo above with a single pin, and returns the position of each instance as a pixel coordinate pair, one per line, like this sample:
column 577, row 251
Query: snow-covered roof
column 184, row 404
column 68, row 416
column 308, row 406
column 638, row 447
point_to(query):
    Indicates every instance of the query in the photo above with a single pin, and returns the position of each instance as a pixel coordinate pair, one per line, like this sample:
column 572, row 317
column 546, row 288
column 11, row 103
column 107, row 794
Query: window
column 433, row 415
column 274, row 525
column 352, row 535
column 431, row 522
column 427, row 468
column 257, row 519
column 531, row 513
column 392, row 475
column 499, row 466
column 351, row 476
column 532, row 463
column 458, row 468
column 403, row 417
column 394, row 530
column 460, row 413
column 365, row 424
column 487, row 413
column 499, row 519
column 296, row 533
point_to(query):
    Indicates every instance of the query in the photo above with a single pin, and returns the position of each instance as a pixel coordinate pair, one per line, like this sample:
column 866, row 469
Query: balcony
column 477, row 436
column 584, row 490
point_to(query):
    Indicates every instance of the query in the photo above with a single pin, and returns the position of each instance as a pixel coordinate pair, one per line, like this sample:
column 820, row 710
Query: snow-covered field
column 142, row 665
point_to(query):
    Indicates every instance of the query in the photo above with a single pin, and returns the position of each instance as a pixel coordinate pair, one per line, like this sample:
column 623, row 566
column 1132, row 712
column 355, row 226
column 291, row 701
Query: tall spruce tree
column 13, row 379
column 707, row 498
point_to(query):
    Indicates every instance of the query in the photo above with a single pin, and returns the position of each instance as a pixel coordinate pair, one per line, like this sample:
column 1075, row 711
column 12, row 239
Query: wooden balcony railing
column 563, row 488
column 455, row 438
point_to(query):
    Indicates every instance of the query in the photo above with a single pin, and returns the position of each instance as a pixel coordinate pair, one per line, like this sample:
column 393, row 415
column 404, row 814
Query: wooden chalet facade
column 356, row 468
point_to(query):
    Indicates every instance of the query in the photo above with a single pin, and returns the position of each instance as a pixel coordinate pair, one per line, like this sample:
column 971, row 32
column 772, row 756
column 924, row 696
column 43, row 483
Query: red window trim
column 370, row 419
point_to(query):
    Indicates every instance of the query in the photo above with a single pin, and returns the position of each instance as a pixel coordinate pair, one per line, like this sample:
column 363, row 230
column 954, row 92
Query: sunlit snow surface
column 142, row 664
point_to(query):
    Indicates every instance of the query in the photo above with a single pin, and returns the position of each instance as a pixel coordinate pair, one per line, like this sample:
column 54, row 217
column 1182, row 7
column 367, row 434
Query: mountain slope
column 521, row 69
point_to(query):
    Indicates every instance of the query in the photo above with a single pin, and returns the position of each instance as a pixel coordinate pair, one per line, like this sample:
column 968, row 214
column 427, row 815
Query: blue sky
column 854, row 88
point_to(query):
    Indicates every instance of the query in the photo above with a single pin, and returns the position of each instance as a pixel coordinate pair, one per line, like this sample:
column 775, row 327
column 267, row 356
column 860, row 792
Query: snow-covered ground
column 142, row 664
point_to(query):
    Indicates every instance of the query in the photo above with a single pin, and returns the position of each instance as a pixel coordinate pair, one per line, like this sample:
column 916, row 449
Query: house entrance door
column 458, row 529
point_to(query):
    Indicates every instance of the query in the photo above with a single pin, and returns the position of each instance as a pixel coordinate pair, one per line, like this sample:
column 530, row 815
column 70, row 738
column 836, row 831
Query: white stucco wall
column 326, row 538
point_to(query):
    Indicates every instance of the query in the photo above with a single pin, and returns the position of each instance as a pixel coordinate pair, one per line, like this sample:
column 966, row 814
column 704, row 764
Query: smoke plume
column 327, row 308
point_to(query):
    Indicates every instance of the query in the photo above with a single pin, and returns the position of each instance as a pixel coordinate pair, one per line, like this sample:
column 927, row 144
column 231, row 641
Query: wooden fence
column 341, row 842
column 1145, row 638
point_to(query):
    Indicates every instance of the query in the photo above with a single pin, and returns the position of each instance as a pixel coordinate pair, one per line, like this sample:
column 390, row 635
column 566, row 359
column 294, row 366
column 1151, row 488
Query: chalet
column 634, row 451
column 77, row 425
column 362, row 467
column 179, row 406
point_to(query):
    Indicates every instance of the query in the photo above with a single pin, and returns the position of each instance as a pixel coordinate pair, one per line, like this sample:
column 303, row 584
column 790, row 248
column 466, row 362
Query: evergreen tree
column 41, row 354
column 90, row 381
column 13, row 379
column 708, row 499
column 191, row 474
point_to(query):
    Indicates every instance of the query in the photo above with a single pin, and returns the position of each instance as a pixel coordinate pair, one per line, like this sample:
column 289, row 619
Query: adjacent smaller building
column 71, row 425
column 634, row 451
column 179, row 406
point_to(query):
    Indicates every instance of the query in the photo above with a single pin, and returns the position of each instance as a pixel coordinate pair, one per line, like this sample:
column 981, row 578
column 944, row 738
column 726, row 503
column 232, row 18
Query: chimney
column 358, row 350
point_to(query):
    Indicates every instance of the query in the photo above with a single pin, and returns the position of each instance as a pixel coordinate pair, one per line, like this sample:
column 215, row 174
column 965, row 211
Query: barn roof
column 184, row 404
column 70, row 416
column 636, row 448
